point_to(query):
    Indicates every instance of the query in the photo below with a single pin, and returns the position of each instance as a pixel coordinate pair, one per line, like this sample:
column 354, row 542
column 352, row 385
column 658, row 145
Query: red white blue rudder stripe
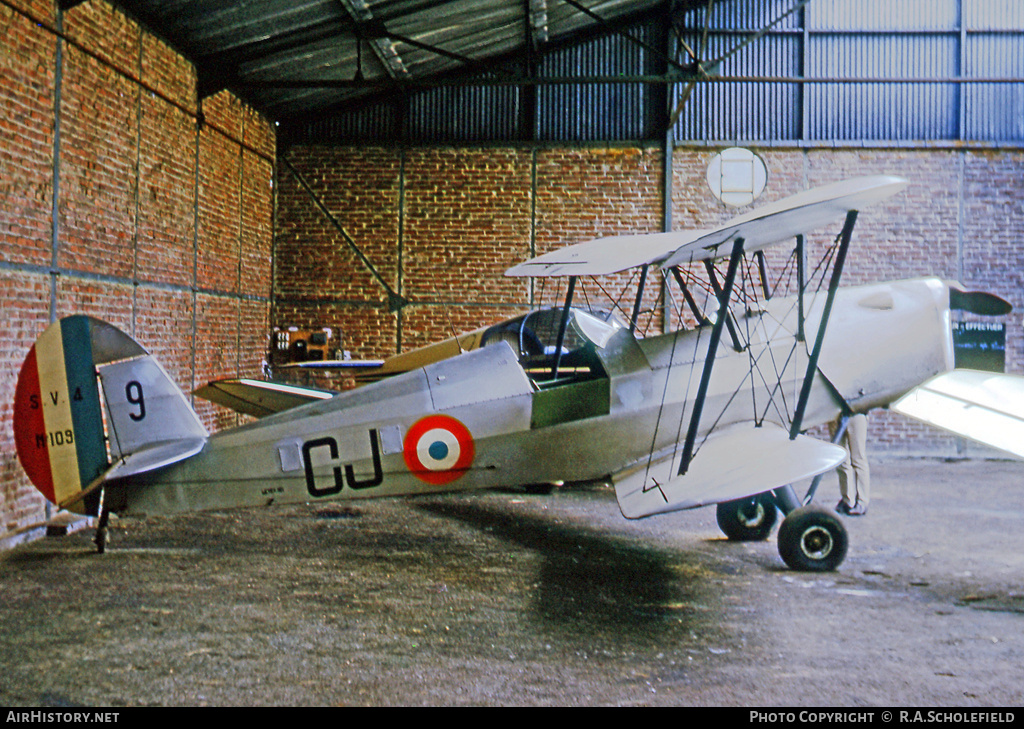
column 58, row 422
column 88, row 396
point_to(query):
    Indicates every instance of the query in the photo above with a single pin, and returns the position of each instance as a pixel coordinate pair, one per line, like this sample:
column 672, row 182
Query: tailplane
column 91, row 405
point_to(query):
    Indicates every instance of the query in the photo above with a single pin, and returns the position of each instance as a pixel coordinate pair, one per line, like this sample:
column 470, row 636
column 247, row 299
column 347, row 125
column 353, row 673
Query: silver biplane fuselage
column 491, row 423
column 675, row 421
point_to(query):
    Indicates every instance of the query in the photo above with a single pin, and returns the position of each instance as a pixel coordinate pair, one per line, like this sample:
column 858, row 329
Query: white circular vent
column 737, row 176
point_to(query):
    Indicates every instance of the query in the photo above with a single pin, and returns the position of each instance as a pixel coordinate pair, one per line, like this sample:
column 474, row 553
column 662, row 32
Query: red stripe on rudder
column 30, row 428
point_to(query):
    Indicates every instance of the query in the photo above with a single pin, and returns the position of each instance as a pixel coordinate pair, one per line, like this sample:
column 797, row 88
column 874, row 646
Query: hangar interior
column 201, row 173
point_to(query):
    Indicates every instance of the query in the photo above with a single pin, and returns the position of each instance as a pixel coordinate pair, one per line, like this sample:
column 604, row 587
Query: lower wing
column 733, row 463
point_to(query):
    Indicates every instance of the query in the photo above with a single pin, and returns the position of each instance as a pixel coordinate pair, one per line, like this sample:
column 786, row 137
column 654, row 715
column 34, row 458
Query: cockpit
column 553, row 354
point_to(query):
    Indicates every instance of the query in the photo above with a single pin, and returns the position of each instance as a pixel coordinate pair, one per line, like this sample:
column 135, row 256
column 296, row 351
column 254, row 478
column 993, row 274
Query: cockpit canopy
column 535, row 335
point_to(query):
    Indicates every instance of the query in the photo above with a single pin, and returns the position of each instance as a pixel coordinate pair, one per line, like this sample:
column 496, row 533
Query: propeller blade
column 978, row 302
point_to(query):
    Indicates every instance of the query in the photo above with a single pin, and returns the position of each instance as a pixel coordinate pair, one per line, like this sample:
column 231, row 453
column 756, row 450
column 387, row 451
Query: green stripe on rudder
column 86, row 412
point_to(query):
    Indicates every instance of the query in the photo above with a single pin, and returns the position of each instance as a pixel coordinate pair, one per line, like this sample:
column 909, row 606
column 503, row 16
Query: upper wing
column 772, row 223
column 986, row 407
column 259, row 398
column 733, row 463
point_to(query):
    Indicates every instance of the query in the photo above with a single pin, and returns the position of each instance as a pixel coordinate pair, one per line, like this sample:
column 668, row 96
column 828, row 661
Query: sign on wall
column 979, row 345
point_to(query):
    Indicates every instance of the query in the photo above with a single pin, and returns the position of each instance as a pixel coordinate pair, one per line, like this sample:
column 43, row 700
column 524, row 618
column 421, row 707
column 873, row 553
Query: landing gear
column 812, row 539
column 102, row 532
column 748, row 520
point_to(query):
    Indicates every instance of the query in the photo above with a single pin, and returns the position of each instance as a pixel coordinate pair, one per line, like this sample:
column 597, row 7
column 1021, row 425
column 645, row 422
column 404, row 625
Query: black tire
column 812, row 539
column 748, row 520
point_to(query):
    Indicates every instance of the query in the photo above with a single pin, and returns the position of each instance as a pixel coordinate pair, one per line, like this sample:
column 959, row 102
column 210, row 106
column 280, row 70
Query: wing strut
column 812, row 362
column 762, row 269
column 709, row 361
column 800, row 274
column 723, row 303
column 639, row 297
column 844, row 421
column 697, row 313
column 562, row 326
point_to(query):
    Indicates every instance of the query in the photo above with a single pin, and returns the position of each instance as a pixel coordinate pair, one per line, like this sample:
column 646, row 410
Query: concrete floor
column 503, row 598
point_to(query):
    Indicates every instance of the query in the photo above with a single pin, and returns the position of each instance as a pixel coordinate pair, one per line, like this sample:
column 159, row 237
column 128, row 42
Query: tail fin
column 89, row 396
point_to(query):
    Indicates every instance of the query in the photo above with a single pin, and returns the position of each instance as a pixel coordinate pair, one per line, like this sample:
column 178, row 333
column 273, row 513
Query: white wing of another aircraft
column 986, row 407
column 759, row 228
column 259, row 398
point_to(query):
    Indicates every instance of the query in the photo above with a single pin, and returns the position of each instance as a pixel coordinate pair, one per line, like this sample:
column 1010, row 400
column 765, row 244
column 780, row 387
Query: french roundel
column 438, row 449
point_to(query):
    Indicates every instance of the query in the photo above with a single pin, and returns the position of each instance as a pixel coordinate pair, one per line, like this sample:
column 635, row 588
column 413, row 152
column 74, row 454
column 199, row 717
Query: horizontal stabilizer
column 769, row 224
column 734, row 463
column 149, row 457
column 259, row 398
column 987, row 407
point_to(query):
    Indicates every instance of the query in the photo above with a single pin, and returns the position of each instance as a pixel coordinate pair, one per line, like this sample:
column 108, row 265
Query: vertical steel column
column 709, row 361
column 812, row 363
column 58, row 85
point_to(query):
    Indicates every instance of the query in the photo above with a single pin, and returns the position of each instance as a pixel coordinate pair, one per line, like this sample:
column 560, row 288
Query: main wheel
column 747, row 520
column 812, row 539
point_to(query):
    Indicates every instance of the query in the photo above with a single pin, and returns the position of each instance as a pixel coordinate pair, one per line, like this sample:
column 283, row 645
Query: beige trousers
column 854, row 473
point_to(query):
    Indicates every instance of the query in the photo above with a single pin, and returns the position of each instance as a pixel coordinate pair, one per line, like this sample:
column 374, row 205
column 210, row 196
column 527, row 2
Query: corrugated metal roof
column 807, row 71
column 295, row 58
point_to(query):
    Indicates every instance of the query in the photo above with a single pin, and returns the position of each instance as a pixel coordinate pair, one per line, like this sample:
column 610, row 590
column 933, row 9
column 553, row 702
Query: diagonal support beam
column 396, row 302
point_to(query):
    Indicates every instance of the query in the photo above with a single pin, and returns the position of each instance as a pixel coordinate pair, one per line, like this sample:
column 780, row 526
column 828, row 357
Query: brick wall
column 163, row 226
column 442, row 225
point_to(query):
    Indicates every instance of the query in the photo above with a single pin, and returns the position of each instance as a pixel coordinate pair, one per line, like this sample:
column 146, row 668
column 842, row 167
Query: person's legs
column 860, row 471
column 845, row 474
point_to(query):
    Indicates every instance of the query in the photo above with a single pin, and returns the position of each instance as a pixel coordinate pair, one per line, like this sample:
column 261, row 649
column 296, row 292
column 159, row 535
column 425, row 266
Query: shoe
column 843, row 508
column 857, row 509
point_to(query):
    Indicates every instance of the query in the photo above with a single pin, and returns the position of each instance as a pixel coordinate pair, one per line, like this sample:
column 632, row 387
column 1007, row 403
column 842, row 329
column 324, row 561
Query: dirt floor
column 503, row 598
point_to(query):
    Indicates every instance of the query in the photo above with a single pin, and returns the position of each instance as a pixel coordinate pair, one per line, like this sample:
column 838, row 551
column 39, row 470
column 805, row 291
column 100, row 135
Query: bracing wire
column 764, row 365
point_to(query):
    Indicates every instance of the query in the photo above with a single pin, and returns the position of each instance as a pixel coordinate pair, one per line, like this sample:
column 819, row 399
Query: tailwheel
column 812, row 539
column 102, row 532
column 747, row 520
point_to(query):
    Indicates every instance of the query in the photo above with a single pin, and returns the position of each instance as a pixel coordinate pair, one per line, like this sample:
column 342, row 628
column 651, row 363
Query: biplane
column 714, row 411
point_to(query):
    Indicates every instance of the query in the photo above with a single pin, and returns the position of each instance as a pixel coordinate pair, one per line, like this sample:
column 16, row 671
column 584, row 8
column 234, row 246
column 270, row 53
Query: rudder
column 87, row 396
